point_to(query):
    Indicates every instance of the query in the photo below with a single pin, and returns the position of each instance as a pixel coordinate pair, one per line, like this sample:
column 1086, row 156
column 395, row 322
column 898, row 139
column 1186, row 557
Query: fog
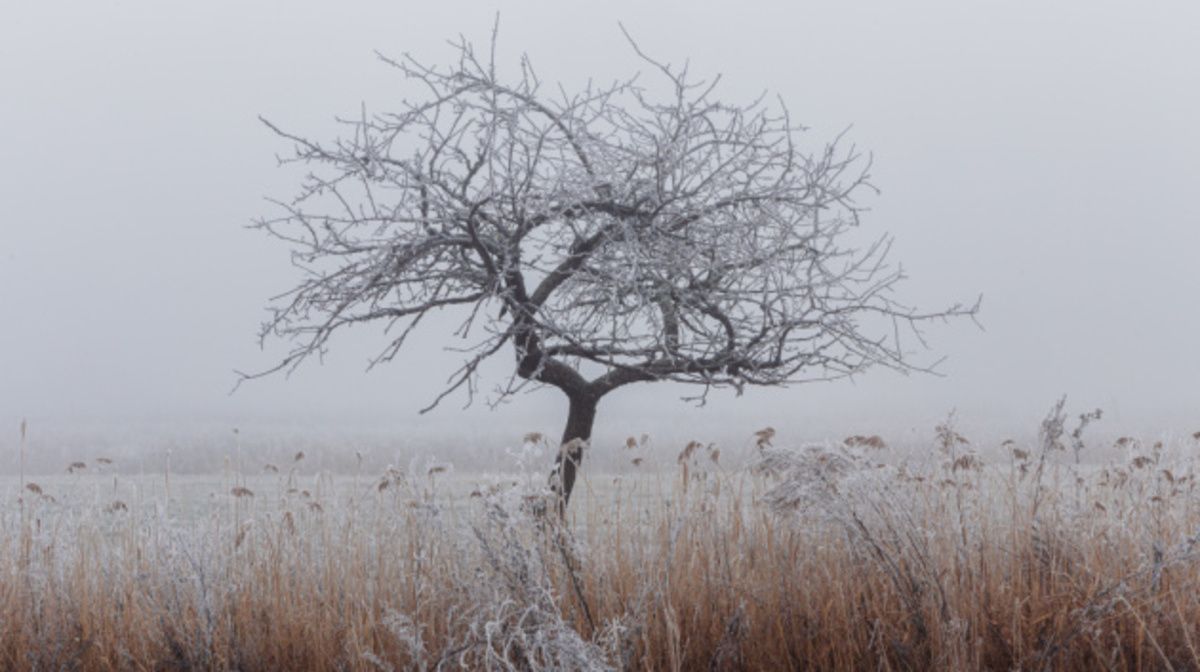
column 1042, row 155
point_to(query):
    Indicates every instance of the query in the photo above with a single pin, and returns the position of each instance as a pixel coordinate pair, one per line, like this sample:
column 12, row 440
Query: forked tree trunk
column 580, row 417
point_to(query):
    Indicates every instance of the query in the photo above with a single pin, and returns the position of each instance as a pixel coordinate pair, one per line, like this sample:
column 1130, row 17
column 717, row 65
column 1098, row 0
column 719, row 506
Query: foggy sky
column 1042, row 155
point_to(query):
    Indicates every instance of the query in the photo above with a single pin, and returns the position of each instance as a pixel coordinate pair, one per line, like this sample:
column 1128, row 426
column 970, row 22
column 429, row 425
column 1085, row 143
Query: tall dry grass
column 818, row 558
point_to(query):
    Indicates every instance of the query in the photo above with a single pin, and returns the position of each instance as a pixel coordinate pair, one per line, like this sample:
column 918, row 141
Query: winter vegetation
column 599, row 238
column 634, row 232
column 1061, row 553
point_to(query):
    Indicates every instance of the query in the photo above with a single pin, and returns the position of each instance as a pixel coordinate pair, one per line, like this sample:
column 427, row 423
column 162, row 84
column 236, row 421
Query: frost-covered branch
column 676, row 237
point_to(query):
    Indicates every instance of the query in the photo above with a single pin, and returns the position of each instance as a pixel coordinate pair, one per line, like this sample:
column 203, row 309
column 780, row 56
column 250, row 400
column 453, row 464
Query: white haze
column 1044, row 155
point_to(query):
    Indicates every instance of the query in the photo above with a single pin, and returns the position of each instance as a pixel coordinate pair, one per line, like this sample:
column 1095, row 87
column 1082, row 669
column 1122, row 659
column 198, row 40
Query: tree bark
column 580, row 418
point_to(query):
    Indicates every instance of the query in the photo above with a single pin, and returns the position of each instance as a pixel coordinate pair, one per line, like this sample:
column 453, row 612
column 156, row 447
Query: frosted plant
column 408, row 633
column 529, row 458
column 812, row 477
column 839, row 486
column 515, row 620
column 600, row 237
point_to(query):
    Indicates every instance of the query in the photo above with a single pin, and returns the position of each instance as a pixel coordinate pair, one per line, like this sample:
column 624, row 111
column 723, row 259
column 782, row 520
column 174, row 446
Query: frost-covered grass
column 837, row 556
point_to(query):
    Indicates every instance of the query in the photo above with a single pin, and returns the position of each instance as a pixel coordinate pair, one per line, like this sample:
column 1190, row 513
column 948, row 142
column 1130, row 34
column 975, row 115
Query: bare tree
column 605, row 237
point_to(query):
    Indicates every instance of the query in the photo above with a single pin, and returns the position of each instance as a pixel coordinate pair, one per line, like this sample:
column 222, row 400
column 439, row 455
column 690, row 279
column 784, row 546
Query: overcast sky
column 1044, row 155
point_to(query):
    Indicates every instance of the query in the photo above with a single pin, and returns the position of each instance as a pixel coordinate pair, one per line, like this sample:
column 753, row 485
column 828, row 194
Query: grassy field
column 844, row 556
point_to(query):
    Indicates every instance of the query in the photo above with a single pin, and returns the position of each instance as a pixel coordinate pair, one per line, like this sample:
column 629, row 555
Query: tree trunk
column 580, row 417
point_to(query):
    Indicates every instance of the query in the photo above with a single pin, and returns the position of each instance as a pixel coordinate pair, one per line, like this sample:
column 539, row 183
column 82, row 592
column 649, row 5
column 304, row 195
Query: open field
column 838, row 556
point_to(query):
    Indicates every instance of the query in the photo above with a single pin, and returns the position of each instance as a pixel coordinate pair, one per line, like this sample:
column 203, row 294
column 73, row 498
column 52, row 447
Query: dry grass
column 821, row 558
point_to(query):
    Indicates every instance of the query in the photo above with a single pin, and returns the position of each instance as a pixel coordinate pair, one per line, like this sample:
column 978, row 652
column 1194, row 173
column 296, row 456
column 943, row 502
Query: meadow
column 1052, row 553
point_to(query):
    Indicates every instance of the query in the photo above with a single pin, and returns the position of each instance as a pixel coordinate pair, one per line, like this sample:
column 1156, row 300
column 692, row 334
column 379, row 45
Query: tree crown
column 648, row 237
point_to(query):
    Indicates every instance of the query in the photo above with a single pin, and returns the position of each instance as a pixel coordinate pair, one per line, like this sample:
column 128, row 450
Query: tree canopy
column 615, row 234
